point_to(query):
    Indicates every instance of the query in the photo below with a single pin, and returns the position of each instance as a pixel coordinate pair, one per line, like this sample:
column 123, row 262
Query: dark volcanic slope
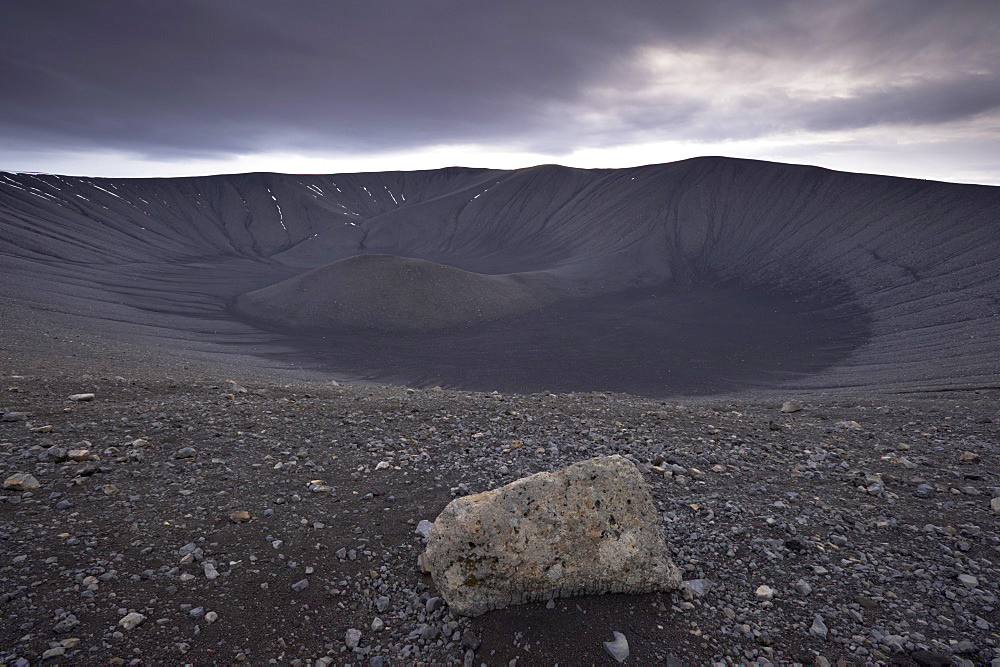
column 699, row 276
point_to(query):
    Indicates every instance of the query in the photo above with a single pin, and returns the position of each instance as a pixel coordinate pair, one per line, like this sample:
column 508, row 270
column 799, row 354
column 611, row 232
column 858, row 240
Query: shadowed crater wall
column 700, row 276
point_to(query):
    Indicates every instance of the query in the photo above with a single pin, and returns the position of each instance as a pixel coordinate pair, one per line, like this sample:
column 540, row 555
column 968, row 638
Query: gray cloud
column 205, row 78
column 921, row 103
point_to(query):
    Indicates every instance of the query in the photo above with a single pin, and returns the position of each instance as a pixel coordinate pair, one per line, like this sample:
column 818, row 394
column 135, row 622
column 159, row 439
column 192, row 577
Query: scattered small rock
column 618, row 647
column 764, row 592
column 131, row 620
column 968, row 580
column 695, row 588
column 818, row 628
column 470, row 640
column 21, row 481
column 424, row 528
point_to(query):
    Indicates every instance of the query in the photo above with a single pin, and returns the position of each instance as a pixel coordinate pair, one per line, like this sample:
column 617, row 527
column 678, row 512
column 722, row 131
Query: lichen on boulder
column 588, row 529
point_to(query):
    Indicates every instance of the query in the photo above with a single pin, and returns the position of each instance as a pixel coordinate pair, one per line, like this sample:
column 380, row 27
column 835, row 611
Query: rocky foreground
column 161, row 521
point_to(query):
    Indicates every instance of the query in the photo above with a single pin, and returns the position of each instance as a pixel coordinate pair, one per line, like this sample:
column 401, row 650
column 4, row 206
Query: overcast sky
column 181, row 87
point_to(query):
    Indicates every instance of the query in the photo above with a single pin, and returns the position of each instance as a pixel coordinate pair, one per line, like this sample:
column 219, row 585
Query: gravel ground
column 215, row 522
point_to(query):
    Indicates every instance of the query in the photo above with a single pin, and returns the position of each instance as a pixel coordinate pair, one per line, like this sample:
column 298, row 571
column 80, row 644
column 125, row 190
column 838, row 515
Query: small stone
column 211, row 617
column 894, row 642
column 924, row 490
column 21, row 481
column 422, row 563
column 433, row 604
column 81, row 397
column 848, row 425
column 969, row 457
column 53, row 652
column 185, row 453
column 377, row 624
column 818, row 628
column 210, row 571
column 995, row 505
column 424, row 528
column 764, row 592
column 382, row 465
column 78, row 455
column 241, row 516
column 300, row 585
column 53, row 455
column 317, row 486
column 130, row 621
column 964, row 646
column 470, row 640
column 791, row 406
column 618, row 648
column 66, row 624
column 968, row 580
column 352, row 638
column 695, row 588
column 802, row 587
column 867, row 603
column 110, row 490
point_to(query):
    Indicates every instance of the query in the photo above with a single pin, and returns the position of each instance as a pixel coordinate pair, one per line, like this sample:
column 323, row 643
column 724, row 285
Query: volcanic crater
column 697, row 277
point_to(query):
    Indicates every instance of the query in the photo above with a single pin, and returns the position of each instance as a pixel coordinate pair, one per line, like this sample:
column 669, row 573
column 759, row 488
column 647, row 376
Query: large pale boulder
column 590, row 528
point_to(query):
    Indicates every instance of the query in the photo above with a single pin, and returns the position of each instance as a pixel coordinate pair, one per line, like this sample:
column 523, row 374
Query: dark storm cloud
column 188, row 78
